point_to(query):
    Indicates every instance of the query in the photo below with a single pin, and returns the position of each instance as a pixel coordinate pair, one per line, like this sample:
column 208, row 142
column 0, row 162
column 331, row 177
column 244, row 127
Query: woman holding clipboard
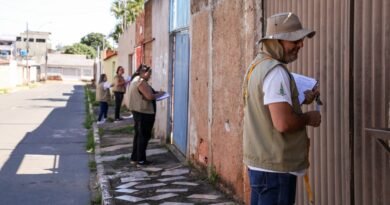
column 142, row 106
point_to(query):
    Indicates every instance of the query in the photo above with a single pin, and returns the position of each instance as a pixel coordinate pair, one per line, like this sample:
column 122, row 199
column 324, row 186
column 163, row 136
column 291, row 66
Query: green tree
column 80, row 48
column 125, row 11
column 95, row 40
column 117, row 32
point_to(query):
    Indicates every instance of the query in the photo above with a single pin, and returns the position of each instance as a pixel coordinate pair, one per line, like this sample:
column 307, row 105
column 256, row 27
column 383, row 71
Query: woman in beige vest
column 119, row 90
column 141, row 105
column 103, row 97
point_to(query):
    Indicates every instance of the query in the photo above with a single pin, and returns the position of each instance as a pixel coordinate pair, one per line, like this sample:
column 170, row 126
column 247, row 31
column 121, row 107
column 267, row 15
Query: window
column 30, row 40
column 40, row 40
column 18, row 38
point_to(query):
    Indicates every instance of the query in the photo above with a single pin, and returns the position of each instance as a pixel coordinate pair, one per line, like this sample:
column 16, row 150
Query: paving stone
column 150, row 185
column 225, row 203
column 113, row 148
column 127, row 185
column 135, row 175
column 114, row 158
column 155, row 140
column 150, row 152
column 175, row 172
column 176, row 203
column 171, row 178
column 130, row 198
column 172, row 190
column 129, row 191
column 120, row 174
column 203, row 196
column 133, row 179
column 152, row 169
column 186, row 183
column 162, row 196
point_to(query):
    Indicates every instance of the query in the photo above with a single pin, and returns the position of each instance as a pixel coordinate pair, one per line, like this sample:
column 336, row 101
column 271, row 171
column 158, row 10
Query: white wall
column 10, row 75
column 160, row 59
column 126, row 45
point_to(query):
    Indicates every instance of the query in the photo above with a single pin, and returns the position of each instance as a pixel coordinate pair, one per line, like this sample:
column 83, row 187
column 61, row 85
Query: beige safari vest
column 137, row 102
column 116, row 87
column 264, row 146
column 102, row 95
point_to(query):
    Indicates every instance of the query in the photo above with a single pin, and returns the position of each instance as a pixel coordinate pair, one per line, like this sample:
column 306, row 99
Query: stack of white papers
column 166, row 95
column 303, row 83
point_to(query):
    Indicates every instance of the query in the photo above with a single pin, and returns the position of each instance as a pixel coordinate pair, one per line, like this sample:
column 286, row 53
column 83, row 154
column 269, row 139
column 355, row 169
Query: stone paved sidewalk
column 166, row 181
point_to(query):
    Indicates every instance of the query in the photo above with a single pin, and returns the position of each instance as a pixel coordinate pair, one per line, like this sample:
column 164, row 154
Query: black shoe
column 144, row 163
column 118, row 119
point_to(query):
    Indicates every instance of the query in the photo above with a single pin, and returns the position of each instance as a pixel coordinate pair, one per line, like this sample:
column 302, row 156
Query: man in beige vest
column 275, row 142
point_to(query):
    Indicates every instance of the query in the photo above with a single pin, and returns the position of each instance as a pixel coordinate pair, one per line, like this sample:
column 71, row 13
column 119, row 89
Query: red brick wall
column 148, row 46
column 223, row 35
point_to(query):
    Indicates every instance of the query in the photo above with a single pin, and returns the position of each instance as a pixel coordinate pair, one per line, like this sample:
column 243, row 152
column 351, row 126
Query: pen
column 318, row 103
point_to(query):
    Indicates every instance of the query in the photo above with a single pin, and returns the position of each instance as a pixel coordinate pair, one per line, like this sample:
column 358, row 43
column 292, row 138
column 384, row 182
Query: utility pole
column 27, row 48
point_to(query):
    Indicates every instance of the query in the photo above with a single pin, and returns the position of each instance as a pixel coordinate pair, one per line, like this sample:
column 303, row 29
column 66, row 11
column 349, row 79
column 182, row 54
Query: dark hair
column 141, row 68
column 101, row 79
column 117, row 69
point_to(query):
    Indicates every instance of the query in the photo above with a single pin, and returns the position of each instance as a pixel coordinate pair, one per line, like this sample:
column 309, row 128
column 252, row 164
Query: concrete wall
column 223, row 35
column 126, row 45
column 109, row 67
column 160, row 51
column 10, row 75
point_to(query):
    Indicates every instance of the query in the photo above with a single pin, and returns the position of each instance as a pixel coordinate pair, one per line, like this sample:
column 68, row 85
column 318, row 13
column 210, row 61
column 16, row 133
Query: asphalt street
column 42, row 146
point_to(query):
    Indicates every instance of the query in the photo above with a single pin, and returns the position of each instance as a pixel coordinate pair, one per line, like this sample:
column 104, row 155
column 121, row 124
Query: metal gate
column 180, row 106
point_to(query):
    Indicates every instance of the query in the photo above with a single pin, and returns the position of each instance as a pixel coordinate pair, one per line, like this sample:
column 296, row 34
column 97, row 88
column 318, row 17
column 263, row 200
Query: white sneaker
column 100, row 122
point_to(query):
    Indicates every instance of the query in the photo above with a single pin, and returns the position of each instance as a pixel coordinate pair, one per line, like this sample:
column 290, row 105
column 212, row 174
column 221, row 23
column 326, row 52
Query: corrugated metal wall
column 347, row 112
column 371, row 97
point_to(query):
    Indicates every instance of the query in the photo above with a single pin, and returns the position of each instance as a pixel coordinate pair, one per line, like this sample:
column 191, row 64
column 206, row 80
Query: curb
column 104, row 184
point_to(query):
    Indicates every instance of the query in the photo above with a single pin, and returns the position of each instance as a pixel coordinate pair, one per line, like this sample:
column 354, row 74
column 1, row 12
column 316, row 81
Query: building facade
column 69, row 67
column 36, row 42
column 210, row 45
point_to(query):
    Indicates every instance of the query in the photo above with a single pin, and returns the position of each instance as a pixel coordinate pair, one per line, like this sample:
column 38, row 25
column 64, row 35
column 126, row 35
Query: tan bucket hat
column 286, row 26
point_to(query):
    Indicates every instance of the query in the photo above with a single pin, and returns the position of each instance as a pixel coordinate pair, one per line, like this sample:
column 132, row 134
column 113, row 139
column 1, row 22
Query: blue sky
column 67, row 20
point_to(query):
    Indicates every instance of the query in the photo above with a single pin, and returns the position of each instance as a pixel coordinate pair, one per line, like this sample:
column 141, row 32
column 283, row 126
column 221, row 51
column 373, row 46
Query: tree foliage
column 95, row 40
column 80, row 48
column 117, row 32
column 125, row 12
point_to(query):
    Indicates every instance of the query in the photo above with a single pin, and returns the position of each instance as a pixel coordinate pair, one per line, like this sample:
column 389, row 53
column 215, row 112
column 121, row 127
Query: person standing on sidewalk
column 103, row 96
column 141, row 106
column 119, row 90
column 275, row 141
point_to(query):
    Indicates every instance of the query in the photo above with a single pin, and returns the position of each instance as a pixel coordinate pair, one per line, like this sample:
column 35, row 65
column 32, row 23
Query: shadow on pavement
column 50, row 164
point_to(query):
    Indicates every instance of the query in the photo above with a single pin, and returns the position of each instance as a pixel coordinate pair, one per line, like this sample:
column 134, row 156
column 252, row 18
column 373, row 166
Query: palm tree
column 125, row 11
column 134, row 7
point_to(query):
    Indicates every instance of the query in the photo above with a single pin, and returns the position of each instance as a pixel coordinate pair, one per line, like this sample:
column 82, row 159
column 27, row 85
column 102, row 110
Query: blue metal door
column 180, row 106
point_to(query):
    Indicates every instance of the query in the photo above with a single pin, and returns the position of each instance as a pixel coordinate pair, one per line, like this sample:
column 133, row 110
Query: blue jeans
column 269, row 188
column 103, row 110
